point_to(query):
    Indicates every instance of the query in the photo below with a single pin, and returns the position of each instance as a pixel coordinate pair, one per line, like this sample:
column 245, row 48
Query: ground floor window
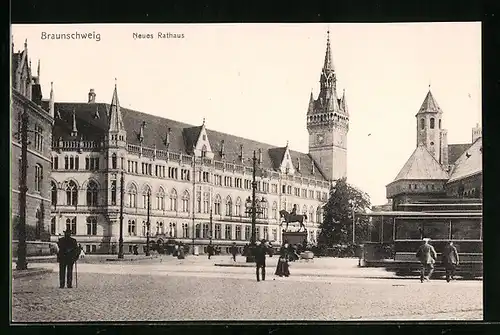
column 53, row 225
column 87, row 248
column 185, row 230
column 228, row 232
column 218, row 231
column 238, row 233
column 71, row 225
column 247, row 233
column 91, row 226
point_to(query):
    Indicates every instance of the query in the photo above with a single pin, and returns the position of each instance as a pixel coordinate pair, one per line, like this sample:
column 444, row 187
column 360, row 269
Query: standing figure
column 234, row 251
column 260, row 259
column 282, row 269
column 450, row 260
column 67, row 256
column 81, row 252
column 210, row 250
column 426, row 254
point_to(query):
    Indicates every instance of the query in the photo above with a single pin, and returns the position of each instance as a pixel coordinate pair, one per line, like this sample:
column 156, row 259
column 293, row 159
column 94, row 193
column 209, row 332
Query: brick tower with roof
column 328, row 123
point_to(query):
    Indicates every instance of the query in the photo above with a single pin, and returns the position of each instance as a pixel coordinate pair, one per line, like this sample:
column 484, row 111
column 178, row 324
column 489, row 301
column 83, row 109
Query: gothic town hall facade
column 188, row 171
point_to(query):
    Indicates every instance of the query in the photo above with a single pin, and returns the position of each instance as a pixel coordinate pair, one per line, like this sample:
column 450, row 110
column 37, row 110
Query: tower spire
column 74, row 130
column 328, row 64
column 51, row 99
column 115, row 114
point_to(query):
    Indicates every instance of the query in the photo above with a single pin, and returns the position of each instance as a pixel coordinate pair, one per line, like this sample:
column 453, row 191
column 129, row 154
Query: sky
column 254, row 80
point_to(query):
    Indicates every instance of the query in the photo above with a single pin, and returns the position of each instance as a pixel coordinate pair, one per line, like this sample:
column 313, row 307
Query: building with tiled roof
column 189, row 171
column 437, row 169
column 25, row 101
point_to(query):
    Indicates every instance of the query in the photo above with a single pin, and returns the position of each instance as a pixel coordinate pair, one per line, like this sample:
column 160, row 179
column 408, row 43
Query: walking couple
column 427, row 255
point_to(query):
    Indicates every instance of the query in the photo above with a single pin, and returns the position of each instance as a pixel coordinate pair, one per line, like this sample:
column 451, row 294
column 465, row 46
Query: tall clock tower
column 328, row 123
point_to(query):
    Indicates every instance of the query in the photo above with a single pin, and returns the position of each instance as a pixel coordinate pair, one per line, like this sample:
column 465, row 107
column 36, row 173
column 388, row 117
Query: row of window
column 427, row 187
column 432, row 123
column 70, row 224
column 73, row 163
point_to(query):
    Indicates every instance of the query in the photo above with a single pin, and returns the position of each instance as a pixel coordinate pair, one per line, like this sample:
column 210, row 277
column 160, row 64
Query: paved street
column 194, row 289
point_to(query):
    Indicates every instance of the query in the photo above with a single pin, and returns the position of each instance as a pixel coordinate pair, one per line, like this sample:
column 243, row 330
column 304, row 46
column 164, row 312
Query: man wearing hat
column 67, row 256
column 450, row 260
column 426, row 254
column 260, row 259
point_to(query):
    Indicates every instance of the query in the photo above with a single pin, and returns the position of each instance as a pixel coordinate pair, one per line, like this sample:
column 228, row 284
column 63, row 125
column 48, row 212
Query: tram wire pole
column 21, row 246
column 120, row 240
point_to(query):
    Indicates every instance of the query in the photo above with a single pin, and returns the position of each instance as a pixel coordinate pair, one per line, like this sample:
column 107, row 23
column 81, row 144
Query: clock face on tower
column 320, row 138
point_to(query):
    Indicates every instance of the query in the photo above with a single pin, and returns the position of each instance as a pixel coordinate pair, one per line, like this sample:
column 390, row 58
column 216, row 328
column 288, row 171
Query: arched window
column 113, row 161
column 132, row 196
column 71, row 194
column 439, row 123
column 275, row 210
column 38, row 177
column 422, row 124
column 432, row 123
column 146, row 194
column 172, row 230
column 160, row 199
column 237, row 208
column 311, row 214
column 185, row 201
column 265, row 209
column 318, row 215
column 91, row 193
column 229, row 206
column 217, row 205
column 53, row 193
column 173, row 200
column 204, row 151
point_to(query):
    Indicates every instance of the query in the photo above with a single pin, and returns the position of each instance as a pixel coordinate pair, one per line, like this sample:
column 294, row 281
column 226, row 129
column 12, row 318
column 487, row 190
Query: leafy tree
column 338, row 215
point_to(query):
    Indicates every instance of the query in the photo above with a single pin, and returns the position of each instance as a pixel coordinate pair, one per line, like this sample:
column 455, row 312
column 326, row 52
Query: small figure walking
column 82, row 253
column 426, row 254
column 210, row 250
column 234, row 251
column 260, row 259
column 66, row 257
column 450, row 260
column 282, row 269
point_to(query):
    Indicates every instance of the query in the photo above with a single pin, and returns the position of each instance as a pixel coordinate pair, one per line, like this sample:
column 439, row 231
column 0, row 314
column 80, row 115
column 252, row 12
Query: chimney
column 222, row 153
column 298, row 164
column 241, row 153
column 260, row 156
column 312, row 165
column 141, row 132
column 167, row 138
column 91, row 96
column 477, row 132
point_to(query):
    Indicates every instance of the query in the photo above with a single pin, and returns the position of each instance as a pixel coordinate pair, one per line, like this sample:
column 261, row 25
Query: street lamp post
column 120, row 240
column 211, row 226
column 21, row 250
column 148, row 224
column 252, row 209
column 353, row 227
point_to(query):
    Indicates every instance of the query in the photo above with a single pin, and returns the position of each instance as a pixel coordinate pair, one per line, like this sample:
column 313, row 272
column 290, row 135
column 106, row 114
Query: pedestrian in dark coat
column 210, row 250
column 450, row 260
column 282, row 269
column 426, row 254
column 234, row 251
column 67, row 256
column 260, row 259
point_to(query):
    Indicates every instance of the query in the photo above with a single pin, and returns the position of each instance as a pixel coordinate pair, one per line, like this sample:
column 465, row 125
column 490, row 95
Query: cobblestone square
column 193, row 289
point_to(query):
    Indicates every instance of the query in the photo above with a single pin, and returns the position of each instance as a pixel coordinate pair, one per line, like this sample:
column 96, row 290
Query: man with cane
column 67, row 256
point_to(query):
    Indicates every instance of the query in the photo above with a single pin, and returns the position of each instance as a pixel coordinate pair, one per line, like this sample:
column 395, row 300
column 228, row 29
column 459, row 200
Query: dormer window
column 204, row 137
column 204, row 150
column 432, row 123
column 422, row 124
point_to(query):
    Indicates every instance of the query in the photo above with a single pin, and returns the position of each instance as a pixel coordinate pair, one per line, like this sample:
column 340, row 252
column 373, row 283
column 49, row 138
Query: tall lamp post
column 120, row 240
column 21, row 250
column 253, row 208
column 148, row 223
column 211, row 226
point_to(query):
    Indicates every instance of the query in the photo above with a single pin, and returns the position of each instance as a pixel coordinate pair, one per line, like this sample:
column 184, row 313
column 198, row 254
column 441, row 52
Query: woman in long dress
column 282, row 268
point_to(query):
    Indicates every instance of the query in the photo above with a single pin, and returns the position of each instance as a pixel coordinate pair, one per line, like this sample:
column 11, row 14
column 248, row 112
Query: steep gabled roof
column 181, row 137
column 469, row 163
column 455, row 151
column 421, row 166
column 429, row 104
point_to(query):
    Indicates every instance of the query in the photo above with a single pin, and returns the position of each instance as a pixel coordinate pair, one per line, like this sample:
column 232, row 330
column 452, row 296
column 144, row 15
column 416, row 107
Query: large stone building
column 27, row 100
column 188, row 171
column 437, row 169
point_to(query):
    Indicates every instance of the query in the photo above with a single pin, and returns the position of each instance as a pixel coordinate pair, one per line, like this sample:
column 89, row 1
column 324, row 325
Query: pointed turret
column 429, row 105
column 310, row 109
column 141, row 131
column 74, row 130
column 328, row 64
column 115, row 114
column 344, row 104
column 51, row 100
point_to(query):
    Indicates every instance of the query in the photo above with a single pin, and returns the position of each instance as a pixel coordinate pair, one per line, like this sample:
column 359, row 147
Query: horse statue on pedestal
column 293, row 218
